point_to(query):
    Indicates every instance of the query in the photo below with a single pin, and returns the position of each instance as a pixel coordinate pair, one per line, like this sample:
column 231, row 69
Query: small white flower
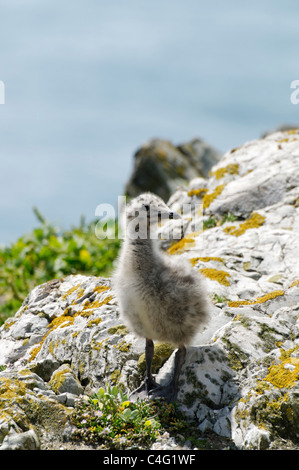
column 105, row 431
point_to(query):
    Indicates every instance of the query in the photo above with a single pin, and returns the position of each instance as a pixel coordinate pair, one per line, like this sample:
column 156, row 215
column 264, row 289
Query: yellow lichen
column 231, row 169
column 88, row 308
column 67, row 320
column 98, row 345
column 209, row 197
column 60, row 320
column 255, row 220
column 216, row 275
column 52, row 326
column 205, row 259
column 94, row 322
column 237, row 317
column 285, row 374
column 58, row 379
column 11, row 388
column 9, row 323
column 99, row 289
column 124, row 346
column 70, row 291
column 184, row 244
column 259, row 300
column 294, row 283
column 197, row 192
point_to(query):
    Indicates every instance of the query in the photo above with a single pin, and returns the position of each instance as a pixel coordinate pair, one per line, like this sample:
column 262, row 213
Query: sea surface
column 88, row 82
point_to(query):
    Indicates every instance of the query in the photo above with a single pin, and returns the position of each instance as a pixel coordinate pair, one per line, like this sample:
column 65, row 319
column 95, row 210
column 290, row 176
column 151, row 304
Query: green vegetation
column 218, row 299
column 47, row 253
column 213, row 221
column 110, row 420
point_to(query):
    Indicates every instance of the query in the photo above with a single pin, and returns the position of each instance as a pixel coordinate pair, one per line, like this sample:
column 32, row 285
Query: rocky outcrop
column 160, row 167
column 240, row 377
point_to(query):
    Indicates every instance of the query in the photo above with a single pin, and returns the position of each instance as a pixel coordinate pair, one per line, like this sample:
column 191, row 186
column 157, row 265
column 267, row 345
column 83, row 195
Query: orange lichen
column 209, row 197
column 197, row 192
column 259, row 300
column 99, row 289
column 255, row 220
column 70, row 291
column 205, row 259
column 216, row 275
column 294, row 283
column 285, row 374
column 184, row 244
column 67, row 320
column 231, row 169
column 89, row 307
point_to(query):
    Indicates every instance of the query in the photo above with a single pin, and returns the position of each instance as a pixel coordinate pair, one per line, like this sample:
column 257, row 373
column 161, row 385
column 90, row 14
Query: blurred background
column 88, row 82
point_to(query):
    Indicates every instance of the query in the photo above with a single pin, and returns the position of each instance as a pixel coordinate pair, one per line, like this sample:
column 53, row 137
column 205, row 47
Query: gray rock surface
column 240, row 377
column 160, row 166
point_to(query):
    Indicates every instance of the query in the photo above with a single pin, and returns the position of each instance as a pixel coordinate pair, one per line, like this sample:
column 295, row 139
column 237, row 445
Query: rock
column 248, row 254
column 21, row 441
column 160, row 167
column 64, row 381
column 280, row 128
column 240, row 377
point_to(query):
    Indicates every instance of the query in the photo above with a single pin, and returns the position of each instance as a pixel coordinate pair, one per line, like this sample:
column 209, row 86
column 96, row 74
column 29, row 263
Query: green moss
column 236, row 357
column 245, row 321
column 115, row 376
column 121, row 330
column 162, row 352
column 268, row 337
column 210, row 223
column 278, row 412
column 199, row 392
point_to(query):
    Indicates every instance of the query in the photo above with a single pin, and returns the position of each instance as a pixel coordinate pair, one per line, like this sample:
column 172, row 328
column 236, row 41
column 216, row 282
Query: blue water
column 87, row 82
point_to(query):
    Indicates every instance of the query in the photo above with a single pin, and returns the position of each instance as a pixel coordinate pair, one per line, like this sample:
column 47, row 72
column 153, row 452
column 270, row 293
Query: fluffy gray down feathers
column 160, row 296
